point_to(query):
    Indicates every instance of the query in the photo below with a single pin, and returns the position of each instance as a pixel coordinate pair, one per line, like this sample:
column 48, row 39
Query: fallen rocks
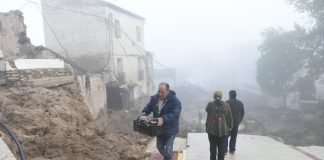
column 56, row 124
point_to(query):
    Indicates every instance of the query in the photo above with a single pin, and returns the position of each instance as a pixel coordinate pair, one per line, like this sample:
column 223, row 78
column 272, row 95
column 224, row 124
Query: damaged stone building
column 110, row 65
column 22, row 64
column 52, row 105
column 105, row 41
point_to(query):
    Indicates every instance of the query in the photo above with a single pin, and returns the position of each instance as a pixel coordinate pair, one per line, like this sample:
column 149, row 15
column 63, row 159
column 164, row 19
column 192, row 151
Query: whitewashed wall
column 38, row 63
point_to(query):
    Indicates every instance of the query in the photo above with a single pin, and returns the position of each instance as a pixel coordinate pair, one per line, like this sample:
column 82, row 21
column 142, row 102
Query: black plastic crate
column 150, row 130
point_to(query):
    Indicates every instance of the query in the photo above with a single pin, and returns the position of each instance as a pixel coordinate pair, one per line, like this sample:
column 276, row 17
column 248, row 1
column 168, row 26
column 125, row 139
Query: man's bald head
column 164, row 89
column 166, row 85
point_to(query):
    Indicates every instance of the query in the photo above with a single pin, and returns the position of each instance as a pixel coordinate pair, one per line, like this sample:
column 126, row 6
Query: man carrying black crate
column 166, row 107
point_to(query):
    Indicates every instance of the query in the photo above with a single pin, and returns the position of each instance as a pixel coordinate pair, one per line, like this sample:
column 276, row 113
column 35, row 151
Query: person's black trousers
column 232, row 144
column 216, row 143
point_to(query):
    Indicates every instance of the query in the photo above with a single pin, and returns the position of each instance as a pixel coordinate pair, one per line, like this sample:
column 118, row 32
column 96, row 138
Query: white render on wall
column 38, row 63
column 94, row 93
column 8, row 66
column 92, row 39
column 1, row 54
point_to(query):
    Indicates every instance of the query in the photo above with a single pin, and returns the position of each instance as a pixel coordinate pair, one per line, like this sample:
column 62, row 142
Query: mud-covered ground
column 55, row 124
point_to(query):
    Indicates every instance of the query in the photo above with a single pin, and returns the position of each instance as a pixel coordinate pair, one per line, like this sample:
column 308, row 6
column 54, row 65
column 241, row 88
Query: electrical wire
column 51, row 28
column 57, row 39
column 142, row 51
column 164, row 66
column 74, row 11
column 139, row 48
column 24, row 5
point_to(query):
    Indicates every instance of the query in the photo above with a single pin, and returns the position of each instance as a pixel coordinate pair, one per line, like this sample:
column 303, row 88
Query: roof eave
column 123, row 10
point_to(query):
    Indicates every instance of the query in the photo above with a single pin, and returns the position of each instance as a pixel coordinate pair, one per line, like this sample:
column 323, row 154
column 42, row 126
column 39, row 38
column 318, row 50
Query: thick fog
column 215, row 42
column 270, row 51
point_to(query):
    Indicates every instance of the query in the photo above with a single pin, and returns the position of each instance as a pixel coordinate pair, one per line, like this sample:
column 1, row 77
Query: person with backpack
column 218, row 124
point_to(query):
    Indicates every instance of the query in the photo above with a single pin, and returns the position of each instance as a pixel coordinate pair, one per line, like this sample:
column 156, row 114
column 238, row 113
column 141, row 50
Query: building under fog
column 102, row 37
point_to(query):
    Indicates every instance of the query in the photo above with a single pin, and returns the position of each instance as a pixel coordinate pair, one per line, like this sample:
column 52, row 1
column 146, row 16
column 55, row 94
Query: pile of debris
column 55, row 124
column 45, row 107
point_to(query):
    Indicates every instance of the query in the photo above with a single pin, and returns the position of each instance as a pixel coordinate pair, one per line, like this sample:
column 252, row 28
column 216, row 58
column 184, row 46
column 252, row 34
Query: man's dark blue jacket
column 170, row 112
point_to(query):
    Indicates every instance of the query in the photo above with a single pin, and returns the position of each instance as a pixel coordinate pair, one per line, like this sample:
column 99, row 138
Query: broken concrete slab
column 49, row 82
column 5, row 153
column 38, row 63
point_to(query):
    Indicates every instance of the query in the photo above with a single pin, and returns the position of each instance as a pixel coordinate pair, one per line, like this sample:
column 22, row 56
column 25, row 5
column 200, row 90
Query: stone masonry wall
column 93, row 89
column 34, row 77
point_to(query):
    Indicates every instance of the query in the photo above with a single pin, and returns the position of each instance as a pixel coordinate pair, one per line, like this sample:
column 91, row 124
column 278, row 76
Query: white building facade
column 101, row 37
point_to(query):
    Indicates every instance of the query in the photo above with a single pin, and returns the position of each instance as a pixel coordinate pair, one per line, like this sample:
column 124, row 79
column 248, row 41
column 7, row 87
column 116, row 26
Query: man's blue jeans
column 233, row 135
column 165, row 146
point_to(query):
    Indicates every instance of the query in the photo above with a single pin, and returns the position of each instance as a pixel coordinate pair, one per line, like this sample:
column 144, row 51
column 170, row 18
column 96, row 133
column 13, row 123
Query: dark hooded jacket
column 237, row 109
column 170, row 112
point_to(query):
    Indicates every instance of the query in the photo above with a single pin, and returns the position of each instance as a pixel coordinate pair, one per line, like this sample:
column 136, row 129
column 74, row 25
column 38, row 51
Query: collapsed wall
column 22, row 64
column 14, row 43
column 13, row 35
column 43, row 102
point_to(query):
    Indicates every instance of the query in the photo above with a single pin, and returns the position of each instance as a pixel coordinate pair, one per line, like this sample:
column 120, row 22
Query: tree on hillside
column 284, row 53
column 306, row 87
column 314, row 40
column 281, row 58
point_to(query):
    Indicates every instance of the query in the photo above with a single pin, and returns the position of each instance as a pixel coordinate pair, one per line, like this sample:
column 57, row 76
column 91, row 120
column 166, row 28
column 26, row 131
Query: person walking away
column 237, row 109
column 218, row 124
column 166, row 107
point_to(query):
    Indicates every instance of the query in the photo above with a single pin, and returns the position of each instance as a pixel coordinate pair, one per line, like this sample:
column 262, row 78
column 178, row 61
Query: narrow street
column 128, row 79
column 249, row 147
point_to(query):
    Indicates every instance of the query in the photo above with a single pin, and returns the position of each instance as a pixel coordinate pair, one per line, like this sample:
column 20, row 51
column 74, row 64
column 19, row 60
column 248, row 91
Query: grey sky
column 209, row 37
